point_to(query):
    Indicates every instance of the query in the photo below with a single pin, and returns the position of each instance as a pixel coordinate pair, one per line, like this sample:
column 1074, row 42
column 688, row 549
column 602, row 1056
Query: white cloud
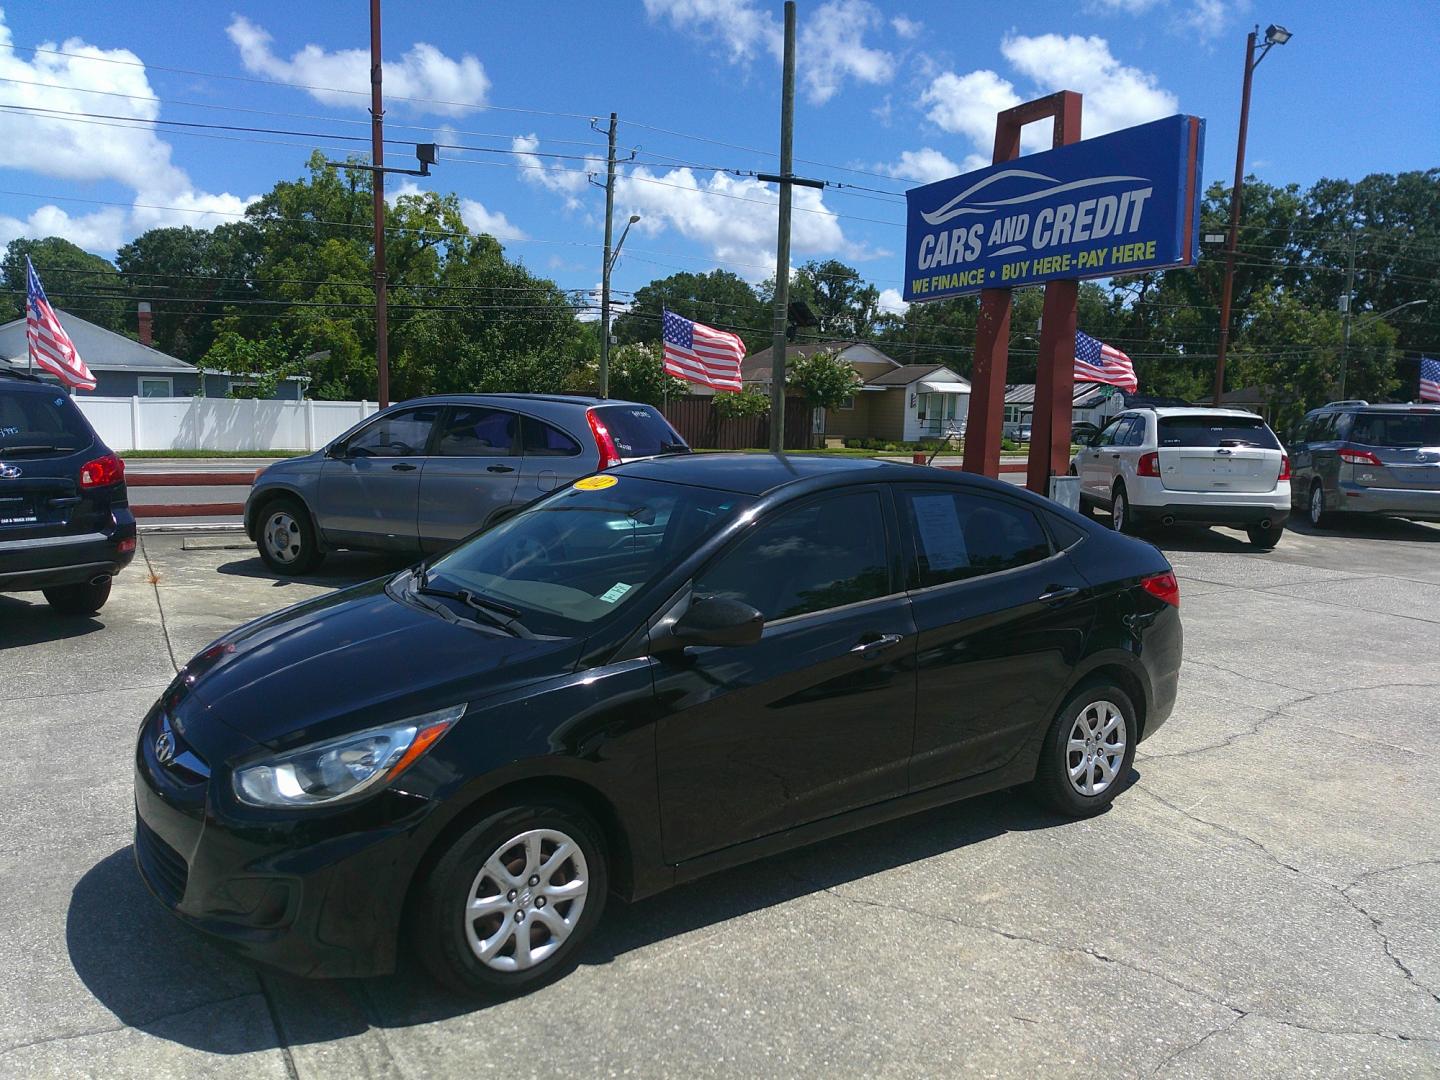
column 1126, row 7
column 478, row 219
column 127, row 151
column 891, row 303
column 735, row 219
column 1208, row 17
column 922, row 166
column 967, row 104
column 423, row 72
column 906, row 28
column 565, row 177
column 741, row 27
column 1116, row 96
column 830, row 49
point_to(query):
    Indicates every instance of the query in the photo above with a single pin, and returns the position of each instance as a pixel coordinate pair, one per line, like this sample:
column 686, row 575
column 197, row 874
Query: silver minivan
column 421, row 476
column 1351, row 457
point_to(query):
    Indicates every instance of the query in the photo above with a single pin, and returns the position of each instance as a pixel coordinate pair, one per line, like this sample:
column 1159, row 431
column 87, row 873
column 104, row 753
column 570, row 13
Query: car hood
column 354, row 659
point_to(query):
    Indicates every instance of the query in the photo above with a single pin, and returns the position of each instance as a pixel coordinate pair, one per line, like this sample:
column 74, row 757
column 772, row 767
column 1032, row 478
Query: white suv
column 1203, row 466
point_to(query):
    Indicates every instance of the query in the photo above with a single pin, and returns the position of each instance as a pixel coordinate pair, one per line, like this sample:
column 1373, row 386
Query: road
column 1260, row 901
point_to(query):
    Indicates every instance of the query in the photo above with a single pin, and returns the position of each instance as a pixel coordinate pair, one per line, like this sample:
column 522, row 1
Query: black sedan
column 657, row 672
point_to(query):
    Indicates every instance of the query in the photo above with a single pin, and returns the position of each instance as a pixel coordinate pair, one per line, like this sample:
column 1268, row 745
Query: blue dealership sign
column 1117, row 204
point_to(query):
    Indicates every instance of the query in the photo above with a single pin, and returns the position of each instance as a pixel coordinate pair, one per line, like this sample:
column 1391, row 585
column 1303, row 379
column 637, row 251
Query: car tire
column 1320, row 518
column 1265, row 538
column 287, row 540
column 501, row 859
column 1122, row 514
column 1071, row 762
column 82, row 599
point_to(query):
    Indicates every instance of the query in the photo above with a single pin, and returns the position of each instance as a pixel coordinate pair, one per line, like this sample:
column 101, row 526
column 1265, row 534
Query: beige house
column 892, row 402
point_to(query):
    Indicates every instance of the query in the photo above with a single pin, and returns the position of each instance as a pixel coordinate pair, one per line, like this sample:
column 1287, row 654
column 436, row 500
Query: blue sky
column 905, row 90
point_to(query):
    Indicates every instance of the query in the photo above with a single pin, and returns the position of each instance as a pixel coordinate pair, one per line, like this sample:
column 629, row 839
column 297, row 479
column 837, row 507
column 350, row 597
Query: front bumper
column 1418, row 504
column 316, row 896
column 44, row 562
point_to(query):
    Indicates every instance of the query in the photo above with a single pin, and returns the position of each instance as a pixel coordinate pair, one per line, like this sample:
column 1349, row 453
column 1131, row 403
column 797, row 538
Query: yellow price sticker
column 595, row 483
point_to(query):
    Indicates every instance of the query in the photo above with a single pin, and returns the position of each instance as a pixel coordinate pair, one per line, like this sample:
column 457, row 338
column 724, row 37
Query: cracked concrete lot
column 1262, row 900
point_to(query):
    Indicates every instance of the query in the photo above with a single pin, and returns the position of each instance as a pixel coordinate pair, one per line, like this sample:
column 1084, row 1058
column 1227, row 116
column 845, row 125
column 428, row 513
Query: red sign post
column 1055, row 377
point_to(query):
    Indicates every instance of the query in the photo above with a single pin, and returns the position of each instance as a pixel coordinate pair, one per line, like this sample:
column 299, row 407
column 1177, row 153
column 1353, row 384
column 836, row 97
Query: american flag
column 1429, row 379
column 700, row 353
column 50, row 345
column 1097, row 362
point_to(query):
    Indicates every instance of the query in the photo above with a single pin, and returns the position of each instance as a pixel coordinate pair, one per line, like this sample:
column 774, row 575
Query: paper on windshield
column 937, row 520
column 615, row 592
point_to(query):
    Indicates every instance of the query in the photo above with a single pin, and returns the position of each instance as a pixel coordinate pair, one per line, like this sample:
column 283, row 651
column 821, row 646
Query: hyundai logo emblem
column 9, row 472
column 165, row 748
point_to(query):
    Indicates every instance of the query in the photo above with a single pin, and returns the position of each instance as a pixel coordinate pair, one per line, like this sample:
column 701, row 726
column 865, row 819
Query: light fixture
column 634, row 218
column 1276, row 35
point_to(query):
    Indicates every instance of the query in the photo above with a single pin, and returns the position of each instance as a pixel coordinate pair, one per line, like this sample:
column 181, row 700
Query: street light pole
column 377, row 158
column 609, row 261
column 782, row 240
column 1274, row 35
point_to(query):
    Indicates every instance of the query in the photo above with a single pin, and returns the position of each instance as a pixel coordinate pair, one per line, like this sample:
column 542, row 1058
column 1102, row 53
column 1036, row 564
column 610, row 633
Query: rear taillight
column 604, row 442
column 1149, row 465
column 1163, row 587
column 126, row 546
column 1358, row 457
column 102, row 472
column 1284, row 468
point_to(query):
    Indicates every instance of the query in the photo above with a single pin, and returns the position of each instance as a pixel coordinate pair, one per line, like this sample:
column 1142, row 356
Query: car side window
column 823, row 554
column 958, row 535
column 477, row 431
column 544, row 440
column 1107, row 437
column 1134, row 435
column 400, row 434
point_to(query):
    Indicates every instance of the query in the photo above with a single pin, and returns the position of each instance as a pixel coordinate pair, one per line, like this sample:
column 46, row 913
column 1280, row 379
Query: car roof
column 1194, row 410
column 578, row 400
column 1387, row 407
column 760, row 474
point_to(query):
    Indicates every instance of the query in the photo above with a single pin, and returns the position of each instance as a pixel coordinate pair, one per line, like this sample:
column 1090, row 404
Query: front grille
column 164, row 867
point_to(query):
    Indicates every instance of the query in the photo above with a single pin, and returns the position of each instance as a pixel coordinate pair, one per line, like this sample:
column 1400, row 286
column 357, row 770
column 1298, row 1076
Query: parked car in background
column 422, row 475
column 65, row 522
column 1082, row 432
column 650, row 675
column 1351, row 457
column 1159, row 466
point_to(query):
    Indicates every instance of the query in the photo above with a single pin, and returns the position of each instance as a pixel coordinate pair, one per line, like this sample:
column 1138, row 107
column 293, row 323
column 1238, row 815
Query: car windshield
column 639, row 430
column 1216, row 431
column 45, row 421
column 586, row 551
column 1396, row 429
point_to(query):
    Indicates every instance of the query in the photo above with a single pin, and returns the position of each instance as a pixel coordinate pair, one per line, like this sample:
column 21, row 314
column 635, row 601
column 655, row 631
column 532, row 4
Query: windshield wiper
column 499, row 615
column 35, row 448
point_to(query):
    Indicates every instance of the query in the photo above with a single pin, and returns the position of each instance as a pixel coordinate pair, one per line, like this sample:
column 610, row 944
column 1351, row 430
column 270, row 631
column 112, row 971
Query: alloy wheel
column 283, row 538
column 1317, row 505
column 1118, row 510
column 1096, row 747
column 526, row 900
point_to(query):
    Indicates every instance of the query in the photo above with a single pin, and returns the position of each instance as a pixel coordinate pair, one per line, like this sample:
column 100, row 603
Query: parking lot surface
column 1261, row 900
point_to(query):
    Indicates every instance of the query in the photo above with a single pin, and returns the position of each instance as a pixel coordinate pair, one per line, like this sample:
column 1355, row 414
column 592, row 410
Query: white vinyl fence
column 201, row 423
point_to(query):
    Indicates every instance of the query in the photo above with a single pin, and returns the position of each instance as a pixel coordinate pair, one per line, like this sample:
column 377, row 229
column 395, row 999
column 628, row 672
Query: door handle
column 1114, row 455
column 884, row 641
column 498, row 468
column 1055, row 593
column 403, row 467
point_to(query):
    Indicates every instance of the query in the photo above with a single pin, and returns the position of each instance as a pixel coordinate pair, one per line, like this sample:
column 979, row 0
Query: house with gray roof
column 124, row 367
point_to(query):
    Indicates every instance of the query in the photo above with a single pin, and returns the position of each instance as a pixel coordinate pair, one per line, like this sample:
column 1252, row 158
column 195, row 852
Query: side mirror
column 716, row 620
column 336, row 451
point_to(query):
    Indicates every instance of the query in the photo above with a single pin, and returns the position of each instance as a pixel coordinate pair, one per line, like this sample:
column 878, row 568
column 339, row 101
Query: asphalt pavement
column 1260, row 901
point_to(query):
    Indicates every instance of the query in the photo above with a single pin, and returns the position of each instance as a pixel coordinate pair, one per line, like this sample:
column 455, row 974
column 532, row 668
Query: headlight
column 342, row 768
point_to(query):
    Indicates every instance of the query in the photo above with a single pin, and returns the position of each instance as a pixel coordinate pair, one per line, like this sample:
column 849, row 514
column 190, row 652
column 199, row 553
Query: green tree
column 842, row 302
column 719, row 299
column 822, row 378
column 74, row 280
column 263, row 362
column 637, row 373
column 738, row 406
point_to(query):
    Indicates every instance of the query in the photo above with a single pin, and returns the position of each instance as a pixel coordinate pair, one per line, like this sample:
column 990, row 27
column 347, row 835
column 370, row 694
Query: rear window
column 34, row 422
column 1215, row 431
column 1396, row 429
column 640, row 431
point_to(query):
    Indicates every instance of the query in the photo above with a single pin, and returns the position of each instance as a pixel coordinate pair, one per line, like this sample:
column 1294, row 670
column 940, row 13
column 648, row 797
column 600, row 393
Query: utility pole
column 605, row 274
column 782, row 245
column 377, row 156
column 1274, row 35
column 1347, row 302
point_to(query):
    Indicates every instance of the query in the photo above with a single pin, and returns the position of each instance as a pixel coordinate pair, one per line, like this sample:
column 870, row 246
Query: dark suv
column 1354, row 457
column 65, row 522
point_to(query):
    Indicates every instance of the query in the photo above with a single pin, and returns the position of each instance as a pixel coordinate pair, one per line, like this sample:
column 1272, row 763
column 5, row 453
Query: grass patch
column 137, row 455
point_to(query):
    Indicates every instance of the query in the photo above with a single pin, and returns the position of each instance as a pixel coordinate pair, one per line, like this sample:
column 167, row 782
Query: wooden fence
column 695, row 418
